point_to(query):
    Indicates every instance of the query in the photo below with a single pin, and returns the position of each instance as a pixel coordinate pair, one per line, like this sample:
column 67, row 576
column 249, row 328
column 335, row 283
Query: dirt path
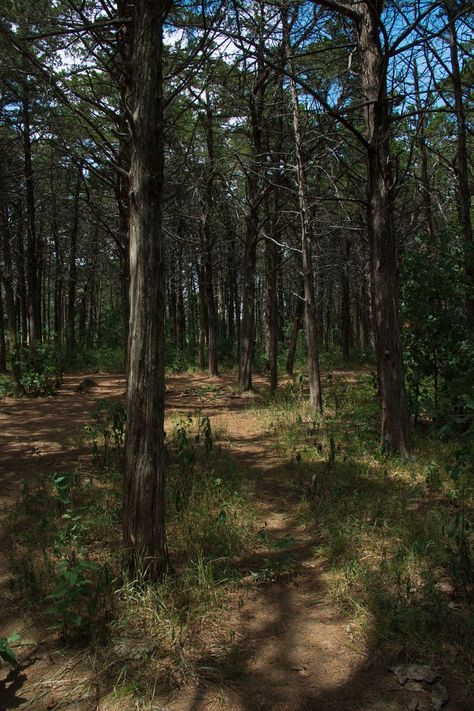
column 293, row 647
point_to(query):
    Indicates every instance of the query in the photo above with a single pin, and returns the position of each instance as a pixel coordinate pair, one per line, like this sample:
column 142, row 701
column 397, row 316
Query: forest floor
column 292, row 647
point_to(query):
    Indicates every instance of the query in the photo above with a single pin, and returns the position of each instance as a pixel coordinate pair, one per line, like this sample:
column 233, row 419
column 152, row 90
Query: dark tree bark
column 247, row 326
column 34, row 257
column 327, row 313
column 463, row 193
column 144, row 484
column 3, row 344
column 20, row 270
column 208, row 244
column 346, row 327
column 271, row 253
column 255, row 195
column 297, row 325
column 181, row 316
column 7, row 277
column 203, row 330
column 311, row 330
column 382, row 240
column 72, row 276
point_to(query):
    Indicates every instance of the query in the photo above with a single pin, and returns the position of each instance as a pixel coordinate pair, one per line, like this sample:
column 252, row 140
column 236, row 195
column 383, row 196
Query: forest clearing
column 236, row 355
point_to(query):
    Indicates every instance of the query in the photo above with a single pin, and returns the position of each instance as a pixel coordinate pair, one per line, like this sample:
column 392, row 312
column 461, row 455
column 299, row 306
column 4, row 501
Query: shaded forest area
column 266, row 205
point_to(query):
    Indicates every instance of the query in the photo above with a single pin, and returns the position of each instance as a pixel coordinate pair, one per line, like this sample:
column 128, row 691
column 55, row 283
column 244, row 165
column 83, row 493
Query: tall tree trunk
column 271, row 263
column 3, row 343
column 7, row 275
column 72, row 277
column 33, row 243
column 463, row 193
column 144, row 483
column 327, row 313
column 424, row 173
column 208, row 244
column 20, row 270
column 181, row 318
column 311, row 330
column 10, row 299
column 255, row 195
column 382, row 239
column 297, row 325
column 247, row 326
column 346, row 328
column 203, row 330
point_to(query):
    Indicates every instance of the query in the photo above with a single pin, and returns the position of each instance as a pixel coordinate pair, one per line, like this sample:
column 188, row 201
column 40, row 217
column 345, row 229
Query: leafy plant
column 74, row 599
column 40, row 370
column 7, row 387
column 6, row 652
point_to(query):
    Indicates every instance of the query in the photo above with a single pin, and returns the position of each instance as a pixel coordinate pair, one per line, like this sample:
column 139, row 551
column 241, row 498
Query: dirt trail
column 292, row 646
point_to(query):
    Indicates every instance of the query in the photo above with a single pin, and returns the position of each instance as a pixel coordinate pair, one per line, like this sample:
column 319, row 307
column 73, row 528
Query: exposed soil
column 292, row 648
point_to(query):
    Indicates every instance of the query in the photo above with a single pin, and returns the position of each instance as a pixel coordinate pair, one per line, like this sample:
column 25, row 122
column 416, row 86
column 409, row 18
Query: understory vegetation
column 392, row 540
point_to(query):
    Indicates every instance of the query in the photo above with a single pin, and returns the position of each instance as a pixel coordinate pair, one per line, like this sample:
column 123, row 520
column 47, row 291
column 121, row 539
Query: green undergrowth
column 65, row 539
column 395, row 537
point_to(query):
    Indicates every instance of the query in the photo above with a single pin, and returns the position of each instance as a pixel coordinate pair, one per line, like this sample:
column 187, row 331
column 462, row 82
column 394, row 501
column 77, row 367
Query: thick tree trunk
column 383, row 244
column 144, row 484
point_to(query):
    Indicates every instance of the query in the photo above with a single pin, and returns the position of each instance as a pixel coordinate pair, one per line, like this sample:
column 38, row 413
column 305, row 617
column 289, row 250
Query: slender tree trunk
column 247, row 326
column 10, row 300
column 144, row 484
column 7, row 275
column 255, row 195
column 327, row 320
column 72, row 277
column 272, row 313
column 463, row 193
column 297, row 325
column 181, row 318
column 20, row 270
column 346, row 328
column 203, row 330
column 208, row 245
column 3, row 343
column 311, row 330
column 33, row 243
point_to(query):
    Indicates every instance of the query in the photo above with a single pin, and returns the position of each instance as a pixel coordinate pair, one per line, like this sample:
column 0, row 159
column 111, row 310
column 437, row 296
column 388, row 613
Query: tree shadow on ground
column 288, row 647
